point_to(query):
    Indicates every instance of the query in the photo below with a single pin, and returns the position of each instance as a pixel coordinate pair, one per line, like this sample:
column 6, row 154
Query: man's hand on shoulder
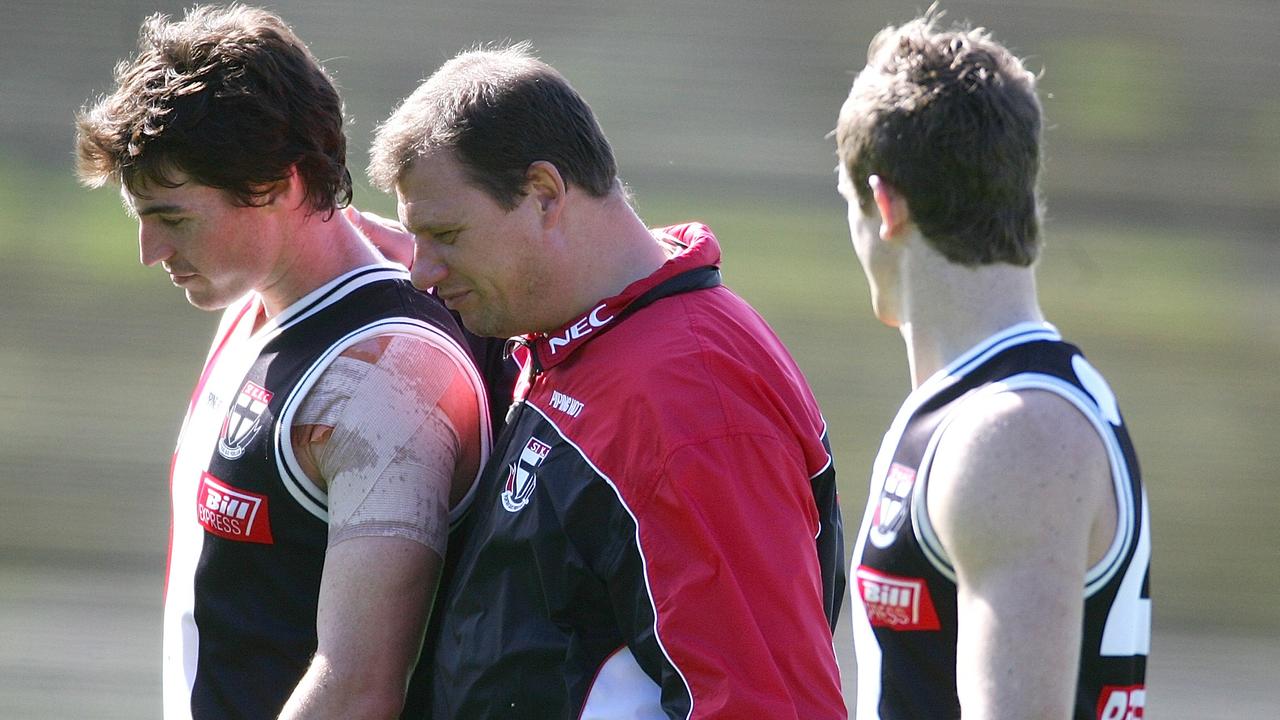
column 388, row 235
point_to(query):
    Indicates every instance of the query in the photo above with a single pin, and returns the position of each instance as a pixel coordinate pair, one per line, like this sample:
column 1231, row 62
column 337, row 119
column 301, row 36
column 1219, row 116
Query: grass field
column 97, row 356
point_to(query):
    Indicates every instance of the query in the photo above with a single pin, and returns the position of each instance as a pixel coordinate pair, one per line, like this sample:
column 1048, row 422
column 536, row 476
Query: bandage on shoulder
column 389, row 460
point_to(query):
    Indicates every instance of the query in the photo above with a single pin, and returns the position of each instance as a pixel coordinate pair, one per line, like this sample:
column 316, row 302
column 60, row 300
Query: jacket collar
column 691, row 247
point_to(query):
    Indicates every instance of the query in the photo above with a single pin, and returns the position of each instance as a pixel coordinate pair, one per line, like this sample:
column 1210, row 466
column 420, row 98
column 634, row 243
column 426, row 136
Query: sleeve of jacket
column 722, row 597
column 830, row 538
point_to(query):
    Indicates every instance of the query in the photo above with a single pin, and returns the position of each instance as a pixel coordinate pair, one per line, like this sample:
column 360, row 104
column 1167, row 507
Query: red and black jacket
column 657, row 530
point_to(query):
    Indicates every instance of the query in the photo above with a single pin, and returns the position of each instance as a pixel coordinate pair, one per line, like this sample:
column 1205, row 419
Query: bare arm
column 1020, row 496
column 369, row 623
column 393, row 440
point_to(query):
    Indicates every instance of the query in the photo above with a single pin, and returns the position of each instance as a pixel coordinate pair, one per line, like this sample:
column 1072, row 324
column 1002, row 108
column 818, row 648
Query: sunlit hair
column 498, row 111
column 227, row 96
column 949, row 118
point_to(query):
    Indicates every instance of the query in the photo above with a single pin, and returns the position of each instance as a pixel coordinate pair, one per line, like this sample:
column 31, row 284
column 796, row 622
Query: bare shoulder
column 1017, row 470
column 373, row 368
column 399, row 353
column 405, row 365
column 1031, row 429
column 378, row 380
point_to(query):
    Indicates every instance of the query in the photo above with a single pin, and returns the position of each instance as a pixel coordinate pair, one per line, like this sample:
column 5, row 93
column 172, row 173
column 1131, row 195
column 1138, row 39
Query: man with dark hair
column 1001, row 567
column 657, row 533
column 339, row 423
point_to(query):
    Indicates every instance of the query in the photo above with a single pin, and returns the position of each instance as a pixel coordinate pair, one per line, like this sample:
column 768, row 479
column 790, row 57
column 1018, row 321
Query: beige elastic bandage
column 390, row 459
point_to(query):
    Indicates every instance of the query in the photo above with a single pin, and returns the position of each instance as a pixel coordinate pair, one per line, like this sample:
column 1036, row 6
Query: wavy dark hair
column 228, row 96
column 951, row 119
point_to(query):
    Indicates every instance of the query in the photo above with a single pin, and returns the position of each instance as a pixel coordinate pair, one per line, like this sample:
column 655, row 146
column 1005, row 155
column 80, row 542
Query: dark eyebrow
column 432, row 228
column 160, row 210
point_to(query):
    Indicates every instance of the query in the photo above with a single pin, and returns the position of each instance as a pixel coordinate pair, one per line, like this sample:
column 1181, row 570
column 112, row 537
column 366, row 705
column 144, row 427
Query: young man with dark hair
column 657, row 533
column 1001, row 567
column 339, row 423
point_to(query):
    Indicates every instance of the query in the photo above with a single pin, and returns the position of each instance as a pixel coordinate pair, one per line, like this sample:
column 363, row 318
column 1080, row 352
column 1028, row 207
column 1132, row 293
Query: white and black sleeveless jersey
column 249, row 528
column 904, row 590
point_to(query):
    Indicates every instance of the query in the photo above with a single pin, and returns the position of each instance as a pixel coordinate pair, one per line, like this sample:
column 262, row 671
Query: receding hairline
column 407, row 135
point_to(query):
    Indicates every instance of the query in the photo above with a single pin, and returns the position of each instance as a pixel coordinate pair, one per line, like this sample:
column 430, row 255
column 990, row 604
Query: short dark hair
column 498, row 111
column 950, row 119
column 228, row 96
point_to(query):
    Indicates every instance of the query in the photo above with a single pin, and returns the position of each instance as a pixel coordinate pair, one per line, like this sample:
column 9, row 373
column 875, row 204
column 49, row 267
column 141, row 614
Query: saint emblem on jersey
column 521, row 478
column 891, row 511
column 243, row 420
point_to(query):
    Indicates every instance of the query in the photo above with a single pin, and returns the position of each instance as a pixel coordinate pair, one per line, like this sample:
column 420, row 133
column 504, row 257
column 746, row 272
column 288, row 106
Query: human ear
column 894, row 215
column 546, row 187
column 280, row 191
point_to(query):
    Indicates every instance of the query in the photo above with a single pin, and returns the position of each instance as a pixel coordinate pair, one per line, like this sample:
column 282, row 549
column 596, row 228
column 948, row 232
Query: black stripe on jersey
column 343, row 286
column 963, row 365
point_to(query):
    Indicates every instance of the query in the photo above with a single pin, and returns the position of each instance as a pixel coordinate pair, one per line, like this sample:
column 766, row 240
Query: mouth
column 181, row 278
column 452, row 298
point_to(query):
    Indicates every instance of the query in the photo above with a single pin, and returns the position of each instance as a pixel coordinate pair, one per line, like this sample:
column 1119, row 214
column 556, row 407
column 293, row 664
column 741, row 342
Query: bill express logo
column 243, row 420
column 521, row 478
column 232, row 514
column 897, row 603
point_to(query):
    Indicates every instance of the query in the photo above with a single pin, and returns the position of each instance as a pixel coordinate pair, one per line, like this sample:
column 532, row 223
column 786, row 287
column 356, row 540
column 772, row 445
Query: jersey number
column 1128, row 628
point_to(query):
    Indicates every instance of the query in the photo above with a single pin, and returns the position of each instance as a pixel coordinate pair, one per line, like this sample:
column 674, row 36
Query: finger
column 372, row 222
column 387, row 235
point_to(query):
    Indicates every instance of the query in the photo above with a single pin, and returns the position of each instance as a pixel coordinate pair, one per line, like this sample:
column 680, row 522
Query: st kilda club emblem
column 520, row 476
column 891, row 511
column 243, row 420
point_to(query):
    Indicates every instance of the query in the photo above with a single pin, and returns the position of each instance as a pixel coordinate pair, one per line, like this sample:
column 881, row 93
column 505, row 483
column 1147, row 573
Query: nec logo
column 582, row 328
column 232, row 514
column 1122, row 702
column 897, row 603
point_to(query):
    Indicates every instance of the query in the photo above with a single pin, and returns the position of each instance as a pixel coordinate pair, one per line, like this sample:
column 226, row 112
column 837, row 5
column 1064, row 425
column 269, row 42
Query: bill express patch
column 231, row 513
column 895, row 602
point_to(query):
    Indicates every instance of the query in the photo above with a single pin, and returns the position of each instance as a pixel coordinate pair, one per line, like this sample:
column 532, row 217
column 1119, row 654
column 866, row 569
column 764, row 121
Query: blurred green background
column 1162, row 176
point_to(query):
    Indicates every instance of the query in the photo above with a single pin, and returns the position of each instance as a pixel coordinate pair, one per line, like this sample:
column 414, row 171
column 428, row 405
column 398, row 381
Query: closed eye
column 171, row 222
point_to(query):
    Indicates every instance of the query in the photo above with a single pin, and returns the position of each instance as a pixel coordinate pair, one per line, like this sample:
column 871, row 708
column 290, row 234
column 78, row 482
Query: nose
column 428, row 267
column 152, row 248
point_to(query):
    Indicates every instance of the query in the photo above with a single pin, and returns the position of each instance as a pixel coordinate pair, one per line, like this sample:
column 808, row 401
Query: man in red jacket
column 656, row 534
